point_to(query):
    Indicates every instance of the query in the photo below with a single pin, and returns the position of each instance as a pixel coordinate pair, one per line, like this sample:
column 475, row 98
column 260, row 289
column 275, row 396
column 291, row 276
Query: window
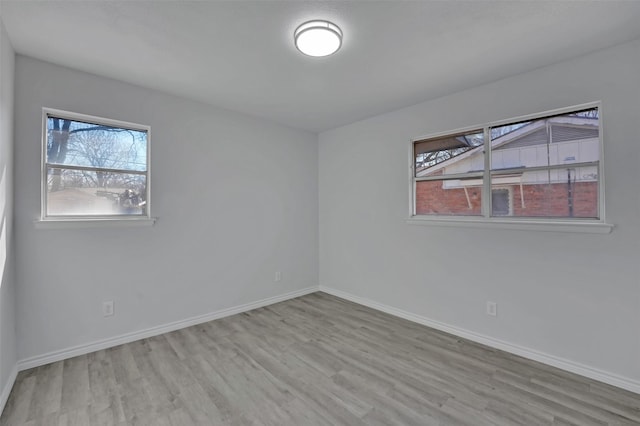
column 542, row 167
column 93, row 167
column 501, row 202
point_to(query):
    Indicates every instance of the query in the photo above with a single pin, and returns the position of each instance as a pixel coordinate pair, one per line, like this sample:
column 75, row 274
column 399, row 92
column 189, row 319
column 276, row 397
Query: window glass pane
column 556, row 140
column 77, row 143
column 90, row 193
column 449, row 197
column 561, row 193
column 450, row 154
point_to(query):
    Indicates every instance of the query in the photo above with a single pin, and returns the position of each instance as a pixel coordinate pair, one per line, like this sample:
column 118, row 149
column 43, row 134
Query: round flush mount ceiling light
column 318, row 38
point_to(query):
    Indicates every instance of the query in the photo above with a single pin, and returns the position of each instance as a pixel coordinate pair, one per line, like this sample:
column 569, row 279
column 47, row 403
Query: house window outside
column 547, row 166
column 501, row 202
column 93, row 167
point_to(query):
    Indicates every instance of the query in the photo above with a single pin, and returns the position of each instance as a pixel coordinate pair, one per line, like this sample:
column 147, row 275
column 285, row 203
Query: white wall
column 571, row 296
column 7, row 281
column 236, row 199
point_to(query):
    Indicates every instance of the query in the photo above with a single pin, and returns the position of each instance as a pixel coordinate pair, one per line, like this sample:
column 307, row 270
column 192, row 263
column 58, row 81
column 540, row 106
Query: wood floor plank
column 314, row 360
column 75, row 386
column 106, row 407
column 16, row 410
column 47, row 395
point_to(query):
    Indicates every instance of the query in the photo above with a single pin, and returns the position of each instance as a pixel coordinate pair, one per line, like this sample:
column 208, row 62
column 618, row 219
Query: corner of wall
column 8, row 346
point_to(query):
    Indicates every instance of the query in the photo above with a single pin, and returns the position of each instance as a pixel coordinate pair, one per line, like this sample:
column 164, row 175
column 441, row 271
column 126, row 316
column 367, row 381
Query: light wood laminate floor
column 314, row 360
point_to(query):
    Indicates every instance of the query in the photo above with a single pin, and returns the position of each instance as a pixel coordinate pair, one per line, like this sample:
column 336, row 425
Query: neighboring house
column 559, row 192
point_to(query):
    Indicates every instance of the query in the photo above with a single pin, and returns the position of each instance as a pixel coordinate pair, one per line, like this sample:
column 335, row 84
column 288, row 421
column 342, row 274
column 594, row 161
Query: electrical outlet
column 492, row 309
column 278, row 276
column 107, row 308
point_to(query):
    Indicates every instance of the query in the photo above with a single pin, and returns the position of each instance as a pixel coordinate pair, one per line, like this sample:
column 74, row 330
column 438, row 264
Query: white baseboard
column 562, row 363
column 6, row 390
column 59, row 355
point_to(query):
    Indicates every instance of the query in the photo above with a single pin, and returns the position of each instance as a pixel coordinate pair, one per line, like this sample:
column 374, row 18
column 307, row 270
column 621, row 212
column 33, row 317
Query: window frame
column 485, row 219
column 90, row 220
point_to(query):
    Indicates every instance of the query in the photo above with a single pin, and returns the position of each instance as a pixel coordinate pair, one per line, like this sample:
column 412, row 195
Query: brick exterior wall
column 432, row 198
column 540, row 200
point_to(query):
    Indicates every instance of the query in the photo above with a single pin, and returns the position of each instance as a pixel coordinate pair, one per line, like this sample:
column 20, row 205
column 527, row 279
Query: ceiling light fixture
column 318, row 38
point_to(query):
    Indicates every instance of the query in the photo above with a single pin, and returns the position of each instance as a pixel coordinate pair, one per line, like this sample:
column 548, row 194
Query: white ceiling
column 239, row 55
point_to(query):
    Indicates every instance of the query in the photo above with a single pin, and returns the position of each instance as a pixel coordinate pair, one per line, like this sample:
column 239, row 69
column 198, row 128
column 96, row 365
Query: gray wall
column 573, row 296
column 236, row 199
column 7, row 283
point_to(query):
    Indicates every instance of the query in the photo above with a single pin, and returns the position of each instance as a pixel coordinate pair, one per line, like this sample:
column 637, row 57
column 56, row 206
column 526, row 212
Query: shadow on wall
column 3, row 229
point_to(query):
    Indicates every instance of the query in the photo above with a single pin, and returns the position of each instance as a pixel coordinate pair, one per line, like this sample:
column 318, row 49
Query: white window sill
column 94, row 223
column 516, row 224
